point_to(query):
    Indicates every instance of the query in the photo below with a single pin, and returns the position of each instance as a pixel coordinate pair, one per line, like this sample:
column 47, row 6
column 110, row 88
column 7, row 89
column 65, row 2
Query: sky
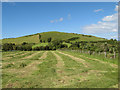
column 90, row 18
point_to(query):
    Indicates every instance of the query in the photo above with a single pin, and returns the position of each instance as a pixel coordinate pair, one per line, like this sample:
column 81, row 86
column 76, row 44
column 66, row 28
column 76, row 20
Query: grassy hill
column 54, row 35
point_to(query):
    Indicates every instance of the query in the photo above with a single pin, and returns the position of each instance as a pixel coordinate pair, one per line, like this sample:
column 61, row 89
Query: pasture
column 34, row 38
column 56, row 69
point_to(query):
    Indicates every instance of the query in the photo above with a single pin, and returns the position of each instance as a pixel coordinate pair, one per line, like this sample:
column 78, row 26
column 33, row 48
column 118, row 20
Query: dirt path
column 75, row 58
column 44, row 55
column 59, row 65
column 30, row 56
column 113, row 65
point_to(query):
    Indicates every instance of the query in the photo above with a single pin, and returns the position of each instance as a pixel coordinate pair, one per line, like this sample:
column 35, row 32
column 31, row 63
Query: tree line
column 90, row 47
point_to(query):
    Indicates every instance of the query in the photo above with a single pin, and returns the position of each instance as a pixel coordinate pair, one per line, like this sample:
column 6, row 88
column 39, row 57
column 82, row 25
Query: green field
column 57, row 69
column 54, row 35
column 40, row 44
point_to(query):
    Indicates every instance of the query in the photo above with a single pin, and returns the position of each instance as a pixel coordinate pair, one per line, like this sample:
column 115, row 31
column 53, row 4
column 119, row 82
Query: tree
column 43, row 41
column 40, row 41
column 39, row 36
column 24, row 43
column 49, row 39
column 47, row 47
column 8, row 46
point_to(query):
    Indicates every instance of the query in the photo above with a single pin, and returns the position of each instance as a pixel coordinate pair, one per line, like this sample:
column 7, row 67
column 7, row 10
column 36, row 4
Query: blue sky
column 20, row 18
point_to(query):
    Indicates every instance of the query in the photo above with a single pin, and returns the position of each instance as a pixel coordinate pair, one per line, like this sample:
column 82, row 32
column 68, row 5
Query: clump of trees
column 109, row 47
column 12, row 46
column 8, row 46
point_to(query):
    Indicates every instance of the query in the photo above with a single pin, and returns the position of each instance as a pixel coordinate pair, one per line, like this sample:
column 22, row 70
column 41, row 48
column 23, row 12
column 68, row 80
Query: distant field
column 56, row 69
column 54, row 35
column 40, row 44
column 19, row 40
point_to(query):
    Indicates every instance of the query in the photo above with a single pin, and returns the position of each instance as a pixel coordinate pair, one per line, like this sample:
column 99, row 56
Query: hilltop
column 34, row 38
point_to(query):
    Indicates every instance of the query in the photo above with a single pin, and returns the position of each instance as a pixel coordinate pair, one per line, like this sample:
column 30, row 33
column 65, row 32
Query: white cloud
column 57, row 20
column 98, row 10
column 101, row 27
column 111, row 17
column 108, row 24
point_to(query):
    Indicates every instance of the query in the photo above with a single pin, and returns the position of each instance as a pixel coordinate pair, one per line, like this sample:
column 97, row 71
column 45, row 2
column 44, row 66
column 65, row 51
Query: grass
column 54, row 35
column 40, row 44
column 94, row 56
column 68, row 44
column 44, row 73
column 71, row 66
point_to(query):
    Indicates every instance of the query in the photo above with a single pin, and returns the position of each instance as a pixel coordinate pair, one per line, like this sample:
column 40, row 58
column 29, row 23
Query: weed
column 23, row 65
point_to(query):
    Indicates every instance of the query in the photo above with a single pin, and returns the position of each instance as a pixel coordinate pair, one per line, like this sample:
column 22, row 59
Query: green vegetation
column 68, row 44
column 59, row 60
column 58, row 69
column 108, row 47
column 35, row 38
column 40, row 44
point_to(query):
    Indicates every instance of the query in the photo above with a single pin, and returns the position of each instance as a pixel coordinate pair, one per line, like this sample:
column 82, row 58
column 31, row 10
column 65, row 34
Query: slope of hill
column 54, row 35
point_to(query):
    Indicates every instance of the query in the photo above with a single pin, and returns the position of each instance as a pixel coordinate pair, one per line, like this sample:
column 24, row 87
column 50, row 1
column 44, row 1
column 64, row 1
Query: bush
column 8, row 46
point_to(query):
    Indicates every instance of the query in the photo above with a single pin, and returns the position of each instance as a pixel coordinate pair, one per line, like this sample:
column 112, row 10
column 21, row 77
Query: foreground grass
column 98, row 73
column 44, row 70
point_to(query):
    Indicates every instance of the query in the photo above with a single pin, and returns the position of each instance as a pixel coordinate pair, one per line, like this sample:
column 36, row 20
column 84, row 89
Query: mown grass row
column 74, row 74
column 11, row 76
column 104, row 79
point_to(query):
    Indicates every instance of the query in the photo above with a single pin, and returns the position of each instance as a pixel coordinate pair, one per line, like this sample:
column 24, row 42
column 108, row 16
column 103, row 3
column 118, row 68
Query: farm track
column 76, row 59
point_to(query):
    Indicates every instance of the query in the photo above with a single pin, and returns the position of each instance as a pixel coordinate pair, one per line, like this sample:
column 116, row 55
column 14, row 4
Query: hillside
column 54, row 35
